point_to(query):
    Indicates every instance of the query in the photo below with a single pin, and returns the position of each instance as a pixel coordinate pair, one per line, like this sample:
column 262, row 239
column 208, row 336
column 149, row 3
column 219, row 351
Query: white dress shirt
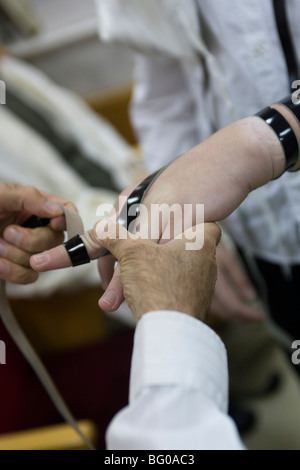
column 199, row 66
column 178, row 389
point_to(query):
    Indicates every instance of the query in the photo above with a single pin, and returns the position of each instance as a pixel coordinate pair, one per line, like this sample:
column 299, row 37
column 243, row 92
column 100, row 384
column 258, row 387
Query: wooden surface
column 57, row 437
column 113, row 105
column 64, row 321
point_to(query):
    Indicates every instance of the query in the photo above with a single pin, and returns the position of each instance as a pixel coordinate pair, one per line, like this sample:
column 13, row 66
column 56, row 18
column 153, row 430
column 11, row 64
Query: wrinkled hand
column 17, row 244
column 234, row 291
column 219, row 173
column 166, row 277
column 154, row 277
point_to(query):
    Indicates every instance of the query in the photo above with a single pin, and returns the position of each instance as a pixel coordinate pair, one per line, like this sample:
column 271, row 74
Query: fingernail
column 53, row 207
column 250, row 293
column 109, row 298
column 4, row 268
column 13, row 236
column 41, row 259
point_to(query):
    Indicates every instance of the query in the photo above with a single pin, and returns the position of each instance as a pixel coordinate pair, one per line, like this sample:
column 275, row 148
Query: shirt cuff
column 172, row 348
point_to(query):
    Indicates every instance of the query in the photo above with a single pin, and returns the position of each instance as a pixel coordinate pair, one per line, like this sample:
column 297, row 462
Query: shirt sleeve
column 178, row 389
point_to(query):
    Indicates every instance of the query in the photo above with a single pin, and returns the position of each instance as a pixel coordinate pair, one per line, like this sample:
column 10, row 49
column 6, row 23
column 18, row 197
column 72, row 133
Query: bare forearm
column 221, row 171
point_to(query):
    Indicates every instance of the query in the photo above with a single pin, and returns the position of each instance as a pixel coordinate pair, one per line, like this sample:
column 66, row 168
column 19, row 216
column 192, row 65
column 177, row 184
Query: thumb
column 113, row 236
column 213, row 232
column 105, row 235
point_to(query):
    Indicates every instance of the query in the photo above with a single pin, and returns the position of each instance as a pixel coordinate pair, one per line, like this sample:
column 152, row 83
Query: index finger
column 15, row 198
column 56, row 258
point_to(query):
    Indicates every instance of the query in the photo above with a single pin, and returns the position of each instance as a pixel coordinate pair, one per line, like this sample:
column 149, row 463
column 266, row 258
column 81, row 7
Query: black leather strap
column 77, row 251
column 75, row 246
column 286, row 39
column 284, row 132
column 34, row 221
column 135, row 198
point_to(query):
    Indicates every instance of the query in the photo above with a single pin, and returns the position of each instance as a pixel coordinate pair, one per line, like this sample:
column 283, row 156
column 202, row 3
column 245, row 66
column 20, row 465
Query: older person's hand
column 219, row 173
column 17, row 244
column 165, row 277
column 153, row 276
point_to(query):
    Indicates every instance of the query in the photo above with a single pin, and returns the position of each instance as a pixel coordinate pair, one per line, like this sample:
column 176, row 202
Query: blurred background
column 65, row 128
column 61, row 38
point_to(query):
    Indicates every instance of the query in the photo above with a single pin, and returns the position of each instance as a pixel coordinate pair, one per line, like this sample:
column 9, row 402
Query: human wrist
column 226, row 167
column 262, row 150
column 167, row 306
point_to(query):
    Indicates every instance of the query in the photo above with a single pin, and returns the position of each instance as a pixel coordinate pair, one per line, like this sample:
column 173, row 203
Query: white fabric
column 155, row 27
column 27, row 158
column 180, row 98
column 178, row 389
column 72, row 117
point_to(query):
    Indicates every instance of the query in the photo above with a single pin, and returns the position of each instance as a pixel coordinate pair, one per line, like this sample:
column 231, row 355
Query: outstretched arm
column 218, row 173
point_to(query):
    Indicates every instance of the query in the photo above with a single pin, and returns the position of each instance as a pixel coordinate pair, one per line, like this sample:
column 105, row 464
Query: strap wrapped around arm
column 284, row 132
column 75, row 246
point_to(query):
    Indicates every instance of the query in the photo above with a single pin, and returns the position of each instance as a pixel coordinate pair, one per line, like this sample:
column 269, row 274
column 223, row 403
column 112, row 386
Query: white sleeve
column 162, row 109
column 178, row 389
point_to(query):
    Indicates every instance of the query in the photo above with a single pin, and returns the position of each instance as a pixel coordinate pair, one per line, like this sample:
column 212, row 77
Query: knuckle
column 21, row 258
column 21, row 275
column 29, row 240
column 41, row 239
column 32, row 192
column 50, row 240
column 27, row 276
column 136, row 250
